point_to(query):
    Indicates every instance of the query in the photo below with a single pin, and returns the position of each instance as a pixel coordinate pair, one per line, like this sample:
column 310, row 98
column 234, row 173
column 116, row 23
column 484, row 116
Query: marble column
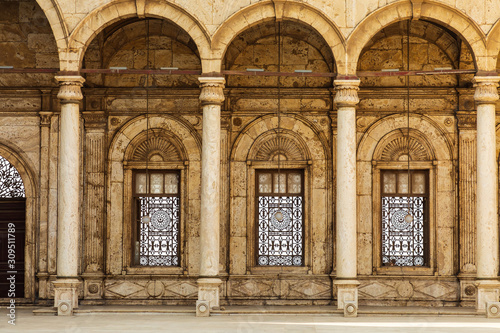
column 68, row 200
column 209, row 282
column 346, row 98
column 485, row 96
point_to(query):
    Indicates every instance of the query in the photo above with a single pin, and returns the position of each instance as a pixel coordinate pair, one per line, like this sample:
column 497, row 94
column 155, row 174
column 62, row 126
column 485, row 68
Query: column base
column 347, row 293
column 487, row 291
column 209, row 291
column 66, row 295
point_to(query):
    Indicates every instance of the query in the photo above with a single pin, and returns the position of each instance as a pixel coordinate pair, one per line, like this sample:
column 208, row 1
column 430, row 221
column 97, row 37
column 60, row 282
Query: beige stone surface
column 210, row 36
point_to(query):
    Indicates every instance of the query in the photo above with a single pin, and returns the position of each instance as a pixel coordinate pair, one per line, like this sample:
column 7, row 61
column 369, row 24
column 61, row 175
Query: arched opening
column 27, row 41
column 431, row 47
column 142, row 44
column 300, row 47
column 12, row 231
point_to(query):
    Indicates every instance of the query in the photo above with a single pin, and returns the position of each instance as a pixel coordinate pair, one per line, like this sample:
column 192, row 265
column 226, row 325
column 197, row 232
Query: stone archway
column 129, row 137
column 436, row 12
column 100, row 18
column 267, row 10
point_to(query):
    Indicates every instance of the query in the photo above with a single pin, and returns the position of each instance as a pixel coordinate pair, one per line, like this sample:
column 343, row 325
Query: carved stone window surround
column 378, row 268
column 128, row 241
column 252, row 266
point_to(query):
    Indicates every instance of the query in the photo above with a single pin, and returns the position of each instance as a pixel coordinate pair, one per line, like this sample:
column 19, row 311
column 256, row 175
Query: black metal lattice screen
column 11, row 184
column 280, row 243
column 403, row 241
column 159, row 239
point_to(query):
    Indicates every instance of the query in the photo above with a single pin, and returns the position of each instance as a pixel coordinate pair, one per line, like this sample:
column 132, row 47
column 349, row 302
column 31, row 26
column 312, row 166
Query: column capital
column 70, row 88
column 346, row 92
column 45, row 117
column 486, row 89
column 211, row 90
column 466, row 120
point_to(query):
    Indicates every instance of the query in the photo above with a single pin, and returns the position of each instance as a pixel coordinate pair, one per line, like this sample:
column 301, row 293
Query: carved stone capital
column 346, row 92
column 45, row 117
column 95, row 119
column 466, row 120
column 70, row 88
column 212, row 90
column 486, row 89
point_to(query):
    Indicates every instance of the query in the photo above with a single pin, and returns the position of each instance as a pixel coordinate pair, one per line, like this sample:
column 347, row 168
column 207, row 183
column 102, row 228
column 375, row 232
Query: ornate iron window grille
column 404, row 241
column 11, row 183
column 158, row 235
column 280, row 242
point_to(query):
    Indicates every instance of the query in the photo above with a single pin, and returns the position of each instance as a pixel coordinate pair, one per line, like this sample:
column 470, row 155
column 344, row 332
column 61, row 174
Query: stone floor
column 125, row 319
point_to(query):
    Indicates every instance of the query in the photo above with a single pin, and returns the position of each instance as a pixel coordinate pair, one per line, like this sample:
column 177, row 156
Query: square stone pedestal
column 347, row 292
column 209, row 290
column 487, row 291
column 66, row 296
column 93, row 286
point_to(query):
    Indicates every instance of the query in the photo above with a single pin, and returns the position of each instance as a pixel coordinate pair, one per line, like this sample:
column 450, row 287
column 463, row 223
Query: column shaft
column 69, row 189
column 486, row 95
column 346, row 99
column 210, row 191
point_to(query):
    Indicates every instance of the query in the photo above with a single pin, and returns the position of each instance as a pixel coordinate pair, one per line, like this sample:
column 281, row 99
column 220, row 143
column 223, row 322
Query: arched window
column 11, row 184
column 155, row 166
column 403, row 173
column 12, row 229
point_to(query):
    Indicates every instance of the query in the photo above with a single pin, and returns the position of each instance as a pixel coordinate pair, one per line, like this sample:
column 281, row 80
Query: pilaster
column 95, row 142
column 467, row 145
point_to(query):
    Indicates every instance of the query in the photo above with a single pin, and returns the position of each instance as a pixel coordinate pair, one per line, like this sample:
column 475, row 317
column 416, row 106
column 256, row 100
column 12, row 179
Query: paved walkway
column 244, row 323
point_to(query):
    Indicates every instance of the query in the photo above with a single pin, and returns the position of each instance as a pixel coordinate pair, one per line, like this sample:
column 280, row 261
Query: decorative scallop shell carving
column 275, row 146
column 156, row 149
column 399, row 147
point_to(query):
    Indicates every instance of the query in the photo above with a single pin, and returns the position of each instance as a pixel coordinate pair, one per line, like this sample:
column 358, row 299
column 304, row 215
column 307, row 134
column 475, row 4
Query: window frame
column 409, row 194
column 273, row 194
column 129, row 209
column 252, row 207
column 378, row 266
column 135, row 209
